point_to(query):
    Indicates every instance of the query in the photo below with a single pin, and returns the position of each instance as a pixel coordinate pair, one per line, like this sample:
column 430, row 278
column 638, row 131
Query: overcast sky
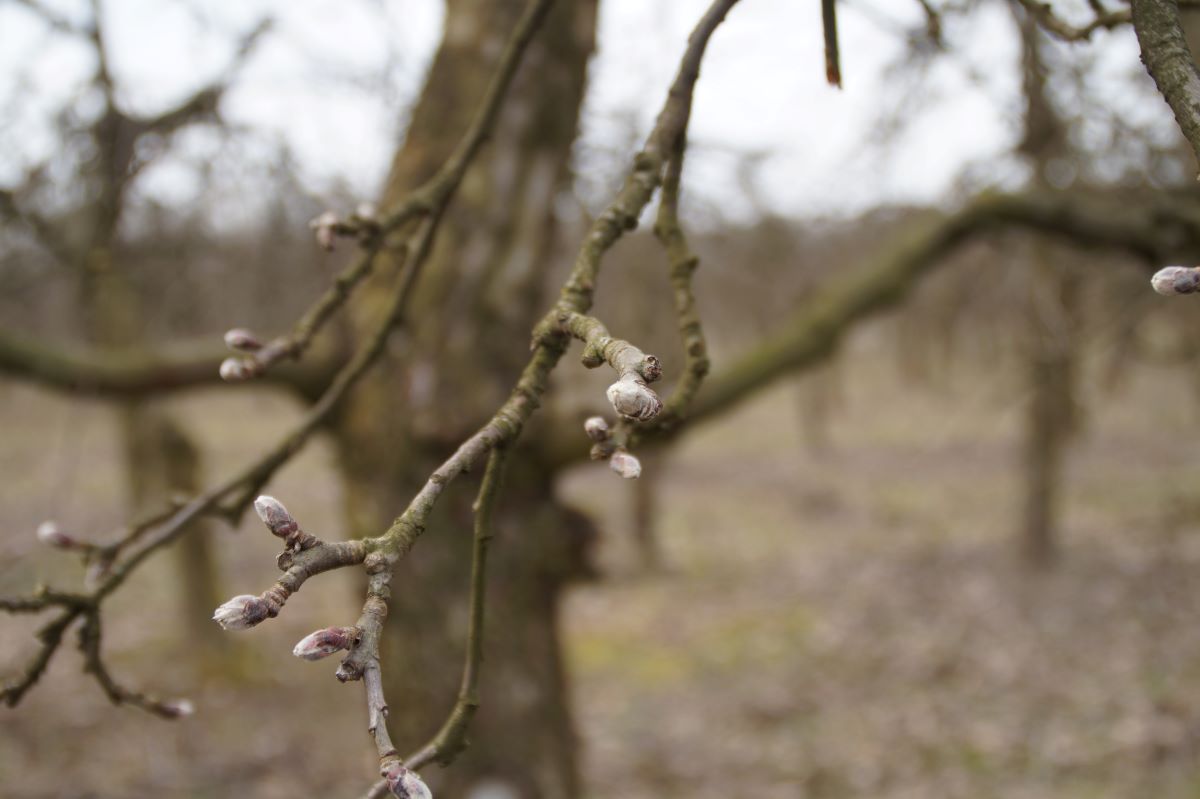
column 334, row 78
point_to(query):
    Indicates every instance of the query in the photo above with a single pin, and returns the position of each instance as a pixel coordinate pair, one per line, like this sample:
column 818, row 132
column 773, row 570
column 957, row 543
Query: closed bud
column 633, row 399
column 178, row 708
column 242, row 340
column 235, row 369
column 50, row 534
column 405, row 783
column 625, row 464
column 365, row 212
column 275, row 516
column 324, row 643
column 241, row 613
column 1176, row 280
column 596, row 428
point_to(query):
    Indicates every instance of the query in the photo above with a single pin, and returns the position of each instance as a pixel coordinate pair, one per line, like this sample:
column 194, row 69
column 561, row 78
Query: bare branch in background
column 1056, row 26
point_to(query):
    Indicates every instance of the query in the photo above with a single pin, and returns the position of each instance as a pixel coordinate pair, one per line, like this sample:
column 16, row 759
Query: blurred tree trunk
column 1051, row 363
column 1052, row 311
column 465, row 340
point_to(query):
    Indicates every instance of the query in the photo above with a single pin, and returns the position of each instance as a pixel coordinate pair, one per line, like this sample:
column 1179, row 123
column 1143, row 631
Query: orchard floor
column 845, row 622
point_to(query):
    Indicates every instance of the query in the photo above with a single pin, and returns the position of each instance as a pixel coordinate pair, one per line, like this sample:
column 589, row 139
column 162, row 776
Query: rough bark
column 464, row 344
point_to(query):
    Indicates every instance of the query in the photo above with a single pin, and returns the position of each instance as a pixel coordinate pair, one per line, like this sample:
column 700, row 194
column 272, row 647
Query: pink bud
column 241, row 613
column 633, row 399
column 324, row 643
column 405, row 784
column 625, row 464
column 242, row 339
column 596, row 428
column 50, row 534
column 178, row 708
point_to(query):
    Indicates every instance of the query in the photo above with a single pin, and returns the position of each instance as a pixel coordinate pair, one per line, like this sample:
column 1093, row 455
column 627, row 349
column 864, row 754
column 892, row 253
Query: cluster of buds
column 50, row 534
column 242, row 612
column 604, row 447
column 323, row 643
column 632, row 398
column 234, row 369
column 328, row 226
column 404, row 783
column 1176, row 280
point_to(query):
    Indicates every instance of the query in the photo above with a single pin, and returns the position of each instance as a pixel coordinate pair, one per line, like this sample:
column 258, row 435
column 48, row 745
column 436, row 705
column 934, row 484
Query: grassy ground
column 846, row 622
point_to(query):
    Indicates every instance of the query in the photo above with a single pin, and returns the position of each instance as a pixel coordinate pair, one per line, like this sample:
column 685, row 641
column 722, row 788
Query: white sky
column 334, row 78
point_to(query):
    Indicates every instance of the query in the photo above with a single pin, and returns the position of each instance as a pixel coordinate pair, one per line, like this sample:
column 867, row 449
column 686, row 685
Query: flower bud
column 625, row 464
column 275, row 516
column 241, row 613
column 178, row 708
column 242, row 339
column 324, row 227
column 596, row 428
column 235, row 369
column 404, row 783
column 324, row 643
column 365, row 212
column 1176, row 280
column 633, row 399
column 50, row 534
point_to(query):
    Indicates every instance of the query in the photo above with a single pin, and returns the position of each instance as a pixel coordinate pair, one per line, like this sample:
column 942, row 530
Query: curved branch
column 815, row 332
column 110, row 373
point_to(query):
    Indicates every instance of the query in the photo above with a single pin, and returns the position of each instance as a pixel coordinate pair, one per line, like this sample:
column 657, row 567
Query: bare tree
column 442, row 382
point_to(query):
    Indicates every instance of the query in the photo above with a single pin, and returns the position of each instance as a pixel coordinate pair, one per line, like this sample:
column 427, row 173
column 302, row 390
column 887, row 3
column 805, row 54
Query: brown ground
column 846, row 623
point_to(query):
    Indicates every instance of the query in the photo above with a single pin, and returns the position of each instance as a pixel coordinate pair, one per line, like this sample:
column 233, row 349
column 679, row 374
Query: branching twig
column 1043, row 13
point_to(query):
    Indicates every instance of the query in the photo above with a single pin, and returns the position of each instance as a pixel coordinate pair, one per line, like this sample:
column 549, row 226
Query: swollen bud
column 241, row 339
column 625, row 464
column 241, row 613
column 275, row 516
column 324, row 643
column 1176, row 280
column 404, row 783
column 235, row 369
column 596, row 428
column 50, row 534
column 633, row 399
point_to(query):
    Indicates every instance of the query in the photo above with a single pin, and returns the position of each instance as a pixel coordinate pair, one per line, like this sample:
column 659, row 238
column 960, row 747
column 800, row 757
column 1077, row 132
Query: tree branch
column 110, row 373
column 1151, row 231
column 1169, row 61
